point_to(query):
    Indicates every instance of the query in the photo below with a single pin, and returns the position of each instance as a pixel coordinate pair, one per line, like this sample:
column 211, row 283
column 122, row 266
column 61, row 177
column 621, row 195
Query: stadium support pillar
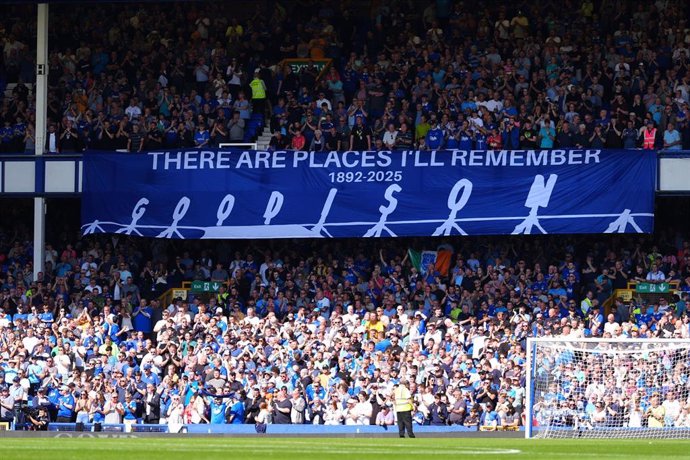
column 41, row 91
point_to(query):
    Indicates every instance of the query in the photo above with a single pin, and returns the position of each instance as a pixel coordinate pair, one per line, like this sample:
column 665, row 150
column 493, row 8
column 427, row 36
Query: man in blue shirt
column 672, row 140
column 466, row 139
column 6, row 135
column 65, row 405
column 547, row 135
column 148, row 376
column 434, row 138
column 237, row 411
column 219, row 409
column 142, row 317
column 201, row 137
column 314, row 390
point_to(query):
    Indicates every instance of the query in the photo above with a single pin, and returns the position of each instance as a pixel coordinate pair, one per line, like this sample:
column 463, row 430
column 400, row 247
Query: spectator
column 258, row 87
column 672, row 139
column 135, row 142
column 236, row 127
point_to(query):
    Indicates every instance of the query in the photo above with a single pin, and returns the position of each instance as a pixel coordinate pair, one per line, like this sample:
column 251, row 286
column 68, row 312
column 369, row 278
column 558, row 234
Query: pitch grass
column 336, row 448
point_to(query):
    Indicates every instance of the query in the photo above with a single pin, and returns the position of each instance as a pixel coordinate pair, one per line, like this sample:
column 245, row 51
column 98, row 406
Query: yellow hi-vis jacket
column 403, row 399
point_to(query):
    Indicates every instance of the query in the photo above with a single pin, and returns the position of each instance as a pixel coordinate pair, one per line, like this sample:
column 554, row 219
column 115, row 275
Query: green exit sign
column 652, row 288
column 206, row 286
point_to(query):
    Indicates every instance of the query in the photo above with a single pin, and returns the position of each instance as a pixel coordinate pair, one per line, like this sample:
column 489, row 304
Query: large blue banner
column 285, row 194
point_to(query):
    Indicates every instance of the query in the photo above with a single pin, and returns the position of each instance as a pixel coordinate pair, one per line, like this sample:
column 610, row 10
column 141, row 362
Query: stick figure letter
column 455, row 204
column 538, row 197
column 180, row 211
column 385, row 211
column 137, row 213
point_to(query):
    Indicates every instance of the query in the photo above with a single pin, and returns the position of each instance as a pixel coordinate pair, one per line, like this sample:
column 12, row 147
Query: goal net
column 607, row 388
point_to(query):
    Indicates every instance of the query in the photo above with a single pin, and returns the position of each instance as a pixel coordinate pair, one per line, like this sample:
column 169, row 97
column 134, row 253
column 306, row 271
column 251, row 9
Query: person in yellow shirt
column 234, row 31
column 422, row 128
column 403, row 409
column 373, row 326
column 655, row 413
column 258, row 93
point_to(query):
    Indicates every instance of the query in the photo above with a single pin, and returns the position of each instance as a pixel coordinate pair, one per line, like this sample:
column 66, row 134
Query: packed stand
column 309, row 333
column 403, row 76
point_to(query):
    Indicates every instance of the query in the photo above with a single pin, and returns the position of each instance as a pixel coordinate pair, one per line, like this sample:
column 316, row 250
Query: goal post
column 607, row 388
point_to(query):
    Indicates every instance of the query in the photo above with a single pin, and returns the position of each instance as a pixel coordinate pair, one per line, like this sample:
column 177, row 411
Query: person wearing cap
column 403, row 409
column 350, row 412
column 65, row 405
column 175, row 412
column 17, row 390
column 6, row 405
column 385, row 417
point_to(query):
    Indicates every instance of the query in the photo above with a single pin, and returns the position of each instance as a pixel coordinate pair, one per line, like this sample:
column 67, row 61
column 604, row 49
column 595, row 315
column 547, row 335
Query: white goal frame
column 532, row 342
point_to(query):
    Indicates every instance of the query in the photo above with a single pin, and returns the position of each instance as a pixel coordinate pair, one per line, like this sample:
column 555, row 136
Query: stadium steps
column 264, row 139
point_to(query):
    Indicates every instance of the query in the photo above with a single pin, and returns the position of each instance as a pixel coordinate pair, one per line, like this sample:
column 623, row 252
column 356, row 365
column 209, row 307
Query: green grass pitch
column 336, row 448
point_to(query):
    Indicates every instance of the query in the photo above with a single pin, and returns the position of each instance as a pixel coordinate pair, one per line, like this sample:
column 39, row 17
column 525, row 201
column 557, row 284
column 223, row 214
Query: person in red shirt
column 298, row 141
column 494, row 140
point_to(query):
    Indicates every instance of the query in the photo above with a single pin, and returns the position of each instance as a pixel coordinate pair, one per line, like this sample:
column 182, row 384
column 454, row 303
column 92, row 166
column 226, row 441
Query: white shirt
column 30, row 343
column 656, row 276
column 319, row 102
column 52, row 142
column 133, row 111
column 111, row 413
column 389, row 138
column 363, row 411
column 494, row 105
column 611, row 327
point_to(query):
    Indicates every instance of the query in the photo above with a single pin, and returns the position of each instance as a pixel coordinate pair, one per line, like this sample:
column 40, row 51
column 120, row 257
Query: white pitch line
column 315, row 449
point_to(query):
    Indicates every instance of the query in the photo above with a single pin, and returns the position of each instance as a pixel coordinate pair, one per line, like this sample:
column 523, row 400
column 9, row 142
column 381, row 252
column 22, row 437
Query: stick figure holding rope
column 619, row 225
column 225, row 209
column 137, row 213
column 93, row 226
column 455, row 204
column 385, row 211
column 319, row 229
column 538, row 197
column 180, row 211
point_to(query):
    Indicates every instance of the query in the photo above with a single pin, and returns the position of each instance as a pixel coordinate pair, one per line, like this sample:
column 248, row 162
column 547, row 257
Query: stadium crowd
column 301, row 333
column 604, row 74
column 321, row 334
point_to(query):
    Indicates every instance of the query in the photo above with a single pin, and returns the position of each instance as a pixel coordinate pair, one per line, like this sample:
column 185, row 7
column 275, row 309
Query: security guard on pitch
column 403, row 409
